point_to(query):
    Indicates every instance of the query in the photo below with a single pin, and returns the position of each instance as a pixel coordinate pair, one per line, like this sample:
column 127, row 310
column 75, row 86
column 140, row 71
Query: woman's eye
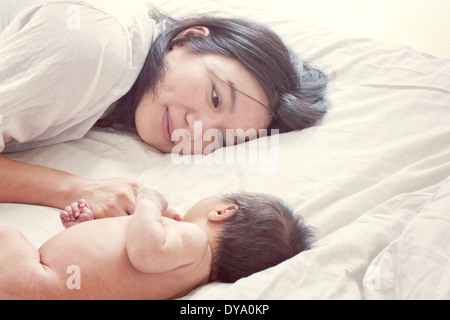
column 215, row 98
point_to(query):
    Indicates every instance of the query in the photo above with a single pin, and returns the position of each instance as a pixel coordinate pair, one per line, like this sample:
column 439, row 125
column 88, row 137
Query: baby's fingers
column 64, row 215
column 67, row 214
column 75, row 209
column 83, row 206
column 172, row 213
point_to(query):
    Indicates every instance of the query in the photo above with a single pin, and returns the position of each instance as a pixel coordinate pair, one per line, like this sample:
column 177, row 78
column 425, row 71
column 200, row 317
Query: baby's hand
column 76, row 213
column 154, row 196
column 160, row 201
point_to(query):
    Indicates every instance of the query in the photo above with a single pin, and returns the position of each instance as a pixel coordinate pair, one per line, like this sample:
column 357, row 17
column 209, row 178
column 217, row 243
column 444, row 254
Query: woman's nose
column 191, row 117
column 198, row 123
column 194, row 125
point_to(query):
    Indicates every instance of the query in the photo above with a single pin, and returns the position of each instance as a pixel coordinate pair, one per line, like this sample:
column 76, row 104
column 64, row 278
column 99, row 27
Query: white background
column 421, row 24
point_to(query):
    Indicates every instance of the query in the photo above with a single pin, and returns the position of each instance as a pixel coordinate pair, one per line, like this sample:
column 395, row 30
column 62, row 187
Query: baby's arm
column 156, row 244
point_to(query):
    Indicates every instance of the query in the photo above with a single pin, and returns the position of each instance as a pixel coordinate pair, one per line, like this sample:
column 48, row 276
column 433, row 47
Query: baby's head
column 249, row 232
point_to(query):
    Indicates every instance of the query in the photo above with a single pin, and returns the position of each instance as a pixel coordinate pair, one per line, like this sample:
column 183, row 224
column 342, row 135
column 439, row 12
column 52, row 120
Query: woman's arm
column 156, row 245
column 32, row 184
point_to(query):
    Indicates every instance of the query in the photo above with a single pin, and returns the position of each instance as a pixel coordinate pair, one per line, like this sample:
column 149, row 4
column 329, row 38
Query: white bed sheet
column 372, row 177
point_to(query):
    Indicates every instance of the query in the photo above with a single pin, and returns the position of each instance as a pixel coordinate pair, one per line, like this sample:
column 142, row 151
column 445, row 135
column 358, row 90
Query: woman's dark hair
column 263, row 233
column 295, row 88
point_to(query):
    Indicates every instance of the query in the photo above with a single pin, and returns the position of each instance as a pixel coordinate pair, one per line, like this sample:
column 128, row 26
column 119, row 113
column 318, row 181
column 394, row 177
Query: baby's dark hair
column 264, row 232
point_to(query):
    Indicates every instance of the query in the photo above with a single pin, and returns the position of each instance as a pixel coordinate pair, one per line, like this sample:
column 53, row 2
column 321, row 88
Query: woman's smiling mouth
column 166, row 127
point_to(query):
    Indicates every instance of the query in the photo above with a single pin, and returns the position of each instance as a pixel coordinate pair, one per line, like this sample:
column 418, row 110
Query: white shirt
column 62, row 64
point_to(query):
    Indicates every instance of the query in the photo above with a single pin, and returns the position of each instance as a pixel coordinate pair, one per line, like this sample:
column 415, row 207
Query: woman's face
column 198, row 93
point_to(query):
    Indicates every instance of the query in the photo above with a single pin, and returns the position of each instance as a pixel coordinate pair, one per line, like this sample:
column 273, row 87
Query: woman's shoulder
column 73, row 59
column 120, row 22
column 120, row 32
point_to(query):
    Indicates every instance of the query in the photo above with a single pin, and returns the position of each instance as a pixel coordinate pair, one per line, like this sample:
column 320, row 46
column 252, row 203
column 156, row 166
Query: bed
column 373, row 177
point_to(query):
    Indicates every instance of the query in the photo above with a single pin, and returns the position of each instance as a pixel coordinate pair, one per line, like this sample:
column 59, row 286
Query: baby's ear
column 223, row 213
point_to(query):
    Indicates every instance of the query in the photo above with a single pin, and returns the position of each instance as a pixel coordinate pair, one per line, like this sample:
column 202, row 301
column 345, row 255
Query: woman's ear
column 198, row 31
column 223, row 213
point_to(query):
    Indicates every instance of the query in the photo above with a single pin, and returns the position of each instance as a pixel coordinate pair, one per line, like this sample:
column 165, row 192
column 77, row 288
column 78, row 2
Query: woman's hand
column 33, row 184
column 108, row 197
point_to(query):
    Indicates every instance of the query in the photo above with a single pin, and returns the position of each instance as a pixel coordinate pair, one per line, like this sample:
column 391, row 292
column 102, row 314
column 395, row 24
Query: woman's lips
column 166, row 127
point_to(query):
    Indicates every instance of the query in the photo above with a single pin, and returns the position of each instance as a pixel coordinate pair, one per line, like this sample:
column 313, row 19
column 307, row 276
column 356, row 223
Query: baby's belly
column 101, row 239
column 92, row 253
column 91, row 262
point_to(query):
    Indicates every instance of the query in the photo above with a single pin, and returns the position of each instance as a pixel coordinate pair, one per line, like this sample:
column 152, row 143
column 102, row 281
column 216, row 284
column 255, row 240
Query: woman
column 144, row 72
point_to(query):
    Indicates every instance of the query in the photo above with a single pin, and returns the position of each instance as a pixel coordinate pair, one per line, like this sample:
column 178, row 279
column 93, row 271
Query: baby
column 154, row 253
